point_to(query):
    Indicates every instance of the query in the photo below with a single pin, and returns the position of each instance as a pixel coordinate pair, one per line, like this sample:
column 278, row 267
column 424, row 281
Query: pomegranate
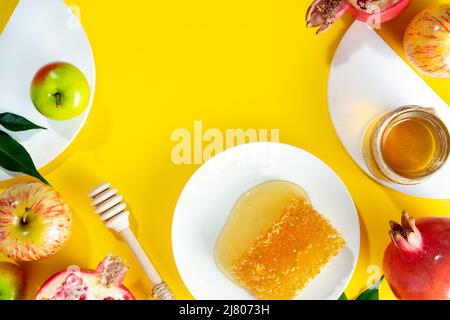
column 105, row 283
column 324, row 13
column 417, row 261
column 427, row 41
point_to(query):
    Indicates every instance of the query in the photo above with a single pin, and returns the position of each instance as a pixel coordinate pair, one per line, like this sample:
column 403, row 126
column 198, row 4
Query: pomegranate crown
column 406, row 236
column 324, row 13
column 112, row 270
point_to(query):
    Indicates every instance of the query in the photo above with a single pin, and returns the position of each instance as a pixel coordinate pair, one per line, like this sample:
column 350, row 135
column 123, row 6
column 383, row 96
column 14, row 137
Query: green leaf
column 343, row 296
column 14, row 122
column 14, row 157
column 371, row 293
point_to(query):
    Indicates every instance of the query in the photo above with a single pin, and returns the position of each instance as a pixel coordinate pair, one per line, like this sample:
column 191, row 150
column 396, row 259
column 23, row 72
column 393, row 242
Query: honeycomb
column 293, row 251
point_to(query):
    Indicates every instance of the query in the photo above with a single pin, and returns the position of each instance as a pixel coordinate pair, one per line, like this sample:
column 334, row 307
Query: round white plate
column 37, row 33
column 367, row 78
column 207, row 200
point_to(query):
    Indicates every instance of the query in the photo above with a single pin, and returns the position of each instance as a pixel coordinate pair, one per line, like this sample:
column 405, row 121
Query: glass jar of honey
column 407, row 145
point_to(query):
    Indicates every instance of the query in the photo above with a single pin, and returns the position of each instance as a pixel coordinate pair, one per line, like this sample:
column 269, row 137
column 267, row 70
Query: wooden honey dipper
column 109, row 206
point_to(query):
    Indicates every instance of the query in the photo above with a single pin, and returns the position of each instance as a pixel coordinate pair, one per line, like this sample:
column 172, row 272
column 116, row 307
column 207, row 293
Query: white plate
column 37, row 33
column 367, row 78
column 208, row 197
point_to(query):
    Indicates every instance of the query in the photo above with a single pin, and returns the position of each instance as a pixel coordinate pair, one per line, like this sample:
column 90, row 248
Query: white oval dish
column 210, row 194
column 367, row 79
column 39, row 32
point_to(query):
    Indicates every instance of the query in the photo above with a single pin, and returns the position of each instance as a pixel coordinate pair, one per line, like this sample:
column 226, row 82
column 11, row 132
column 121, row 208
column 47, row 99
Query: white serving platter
column 209, row 196
column 367, row 78
column 39, row 32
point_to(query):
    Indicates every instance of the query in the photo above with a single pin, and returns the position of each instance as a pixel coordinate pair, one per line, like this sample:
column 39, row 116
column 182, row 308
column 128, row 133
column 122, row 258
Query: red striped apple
column 35, row 222
column 427, row 41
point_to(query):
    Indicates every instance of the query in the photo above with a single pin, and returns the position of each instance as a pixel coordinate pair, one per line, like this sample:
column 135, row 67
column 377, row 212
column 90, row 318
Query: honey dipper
column 109, row 206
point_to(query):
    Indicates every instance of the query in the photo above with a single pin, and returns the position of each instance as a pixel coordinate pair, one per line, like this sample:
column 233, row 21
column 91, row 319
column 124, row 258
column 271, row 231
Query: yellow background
column 161, row 65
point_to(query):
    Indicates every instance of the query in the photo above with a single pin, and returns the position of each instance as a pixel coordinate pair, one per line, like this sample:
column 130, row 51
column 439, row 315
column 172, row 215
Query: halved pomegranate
column 105, row 283
column 324, row 13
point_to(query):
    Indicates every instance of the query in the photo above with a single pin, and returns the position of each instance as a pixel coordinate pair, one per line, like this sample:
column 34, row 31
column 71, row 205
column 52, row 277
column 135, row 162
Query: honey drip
column 281, row 259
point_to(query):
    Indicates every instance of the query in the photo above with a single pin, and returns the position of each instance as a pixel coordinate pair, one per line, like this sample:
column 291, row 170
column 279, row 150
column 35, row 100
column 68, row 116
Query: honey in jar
column 274, row 241
column 409, row 146
column 406, row 145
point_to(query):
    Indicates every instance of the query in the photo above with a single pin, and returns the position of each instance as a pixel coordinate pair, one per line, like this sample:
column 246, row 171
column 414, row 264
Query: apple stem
column 25, row 216
column 58, row 99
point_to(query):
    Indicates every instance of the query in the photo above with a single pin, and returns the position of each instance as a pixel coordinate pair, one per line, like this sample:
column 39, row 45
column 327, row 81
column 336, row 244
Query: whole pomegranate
column 105, row 283
column 427, row 41
column 417, row 261
column 324, row 13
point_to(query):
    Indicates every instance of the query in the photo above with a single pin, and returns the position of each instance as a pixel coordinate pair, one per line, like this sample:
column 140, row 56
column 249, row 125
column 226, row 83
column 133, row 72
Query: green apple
column 60, row 91
column 12, row 282
column 35, row 222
